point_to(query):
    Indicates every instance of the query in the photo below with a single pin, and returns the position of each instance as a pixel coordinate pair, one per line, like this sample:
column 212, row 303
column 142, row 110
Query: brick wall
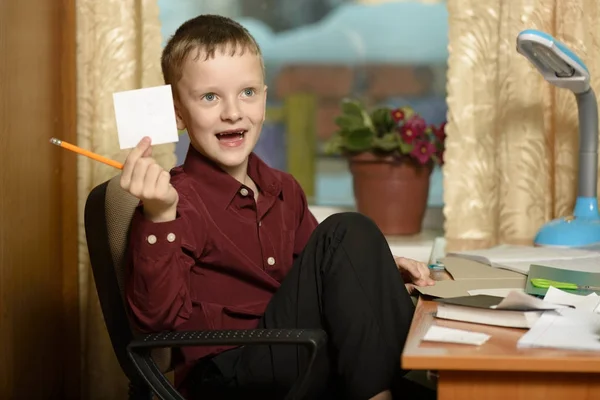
column 331, row 83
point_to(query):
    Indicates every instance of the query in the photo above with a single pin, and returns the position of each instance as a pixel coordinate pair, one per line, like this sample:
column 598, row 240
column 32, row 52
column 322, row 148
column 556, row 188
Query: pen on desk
column 86, row 153
column 437, row 266
column 546, row 283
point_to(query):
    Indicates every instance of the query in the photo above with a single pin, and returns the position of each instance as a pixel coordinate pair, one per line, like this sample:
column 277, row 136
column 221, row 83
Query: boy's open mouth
column 231, row 137
column 233, row 134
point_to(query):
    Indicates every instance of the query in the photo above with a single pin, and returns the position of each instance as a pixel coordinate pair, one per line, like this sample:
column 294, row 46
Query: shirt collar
column 223, row 186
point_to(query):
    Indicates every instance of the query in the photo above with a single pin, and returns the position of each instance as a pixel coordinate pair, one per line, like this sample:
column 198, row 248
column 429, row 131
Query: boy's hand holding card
column 146, row 117
column 145, row 179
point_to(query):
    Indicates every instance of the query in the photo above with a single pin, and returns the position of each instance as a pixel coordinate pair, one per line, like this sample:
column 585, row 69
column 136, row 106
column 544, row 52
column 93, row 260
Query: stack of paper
column 519, row 258
column 503, row 268
column 568, row 329
column 516, row 310
column 575, row 328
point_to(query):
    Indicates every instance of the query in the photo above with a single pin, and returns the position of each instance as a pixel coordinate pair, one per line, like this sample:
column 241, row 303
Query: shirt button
column 271, row 261
column 244, row 192
column 151, row 239
column 171, row 237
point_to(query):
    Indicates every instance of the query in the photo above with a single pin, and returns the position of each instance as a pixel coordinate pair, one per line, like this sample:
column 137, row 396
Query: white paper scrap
column 583, row 303
column 449, row 335
column 145, row 112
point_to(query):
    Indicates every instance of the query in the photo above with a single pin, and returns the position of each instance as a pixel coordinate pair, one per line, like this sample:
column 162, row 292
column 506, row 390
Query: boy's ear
column 180, row 123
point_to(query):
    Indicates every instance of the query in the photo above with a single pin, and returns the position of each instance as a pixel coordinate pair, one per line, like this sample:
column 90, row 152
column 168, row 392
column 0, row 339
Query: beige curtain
column 118, row 48
column 511, row 159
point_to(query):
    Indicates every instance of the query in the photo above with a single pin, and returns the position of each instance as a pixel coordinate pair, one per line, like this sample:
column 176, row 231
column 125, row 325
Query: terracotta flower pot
column 392, row 192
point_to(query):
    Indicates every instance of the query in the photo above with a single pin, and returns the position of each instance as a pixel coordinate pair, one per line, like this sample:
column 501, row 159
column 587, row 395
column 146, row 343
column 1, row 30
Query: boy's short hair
column 204, row 34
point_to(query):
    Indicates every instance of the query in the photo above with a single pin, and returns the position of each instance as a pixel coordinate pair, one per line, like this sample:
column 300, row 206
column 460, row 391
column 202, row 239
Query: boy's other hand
column 414, row 272
column 149, row 182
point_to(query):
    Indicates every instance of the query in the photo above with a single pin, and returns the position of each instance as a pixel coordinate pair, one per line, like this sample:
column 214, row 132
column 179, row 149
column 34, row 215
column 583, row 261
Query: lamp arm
column 588, row 143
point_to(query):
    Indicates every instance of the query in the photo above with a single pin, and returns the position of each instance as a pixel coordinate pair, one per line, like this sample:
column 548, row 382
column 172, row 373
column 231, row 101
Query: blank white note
column 449, row 335
column 145, row 112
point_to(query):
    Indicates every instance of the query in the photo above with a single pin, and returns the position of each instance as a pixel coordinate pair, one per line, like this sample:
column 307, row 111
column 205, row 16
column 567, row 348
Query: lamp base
column 581, row 230
column 570, row 232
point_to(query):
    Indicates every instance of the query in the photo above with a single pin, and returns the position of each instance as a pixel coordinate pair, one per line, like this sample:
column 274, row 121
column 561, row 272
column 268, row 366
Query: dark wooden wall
column 39, row 334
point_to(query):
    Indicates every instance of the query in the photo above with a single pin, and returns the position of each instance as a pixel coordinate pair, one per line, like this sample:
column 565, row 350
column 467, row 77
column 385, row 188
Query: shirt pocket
column 233, row 317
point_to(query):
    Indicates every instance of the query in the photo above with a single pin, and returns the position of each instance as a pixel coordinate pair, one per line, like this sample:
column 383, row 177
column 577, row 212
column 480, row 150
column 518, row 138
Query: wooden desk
column 497, row 370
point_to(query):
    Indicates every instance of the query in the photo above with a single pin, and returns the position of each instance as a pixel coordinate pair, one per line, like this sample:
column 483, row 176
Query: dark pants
column 347, row 283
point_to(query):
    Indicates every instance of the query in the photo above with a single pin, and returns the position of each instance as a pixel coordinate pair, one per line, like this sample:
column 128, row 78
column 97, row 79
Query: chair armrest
column 139, row 351
column 310, row 337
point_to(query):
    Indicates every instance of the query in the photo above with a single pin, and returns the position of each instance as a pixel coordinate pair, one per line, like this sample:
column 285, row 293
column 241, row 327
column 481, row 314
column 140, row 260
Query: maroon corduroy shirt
column 217, row 265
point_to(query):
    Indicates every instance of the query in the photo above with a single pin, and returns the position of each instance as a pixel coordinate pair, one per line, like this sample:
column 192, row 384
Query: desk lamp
column 562, row 68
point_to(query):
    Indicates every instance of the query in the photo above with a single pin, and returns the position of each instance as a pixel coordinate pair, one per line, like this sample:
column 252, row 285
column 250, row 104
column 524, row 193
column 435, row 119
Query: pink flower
column 398, row 114
column 423, row 150
column 413, row 129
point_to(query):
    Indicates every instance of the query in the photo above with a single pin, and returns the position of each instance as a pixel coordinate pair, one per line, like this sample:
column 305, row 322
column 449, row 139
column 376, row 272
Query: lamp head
column 557, row 64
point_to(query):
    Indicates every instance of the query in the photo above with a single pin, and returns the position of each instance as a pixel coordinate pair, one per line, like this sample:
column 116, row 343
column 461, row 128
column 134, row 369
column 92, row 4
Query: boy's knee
column 351, row 221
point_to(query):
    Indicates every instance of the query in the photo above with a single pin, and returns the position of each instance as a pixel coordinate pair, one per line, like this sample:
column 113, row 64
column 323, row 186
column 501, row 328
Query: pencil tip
column 55, row 141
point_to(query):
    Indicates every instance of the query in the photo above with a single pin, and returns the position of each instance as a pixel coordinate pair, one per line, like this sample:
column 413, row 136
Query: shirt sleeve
column 306, row 221
column 160, row 260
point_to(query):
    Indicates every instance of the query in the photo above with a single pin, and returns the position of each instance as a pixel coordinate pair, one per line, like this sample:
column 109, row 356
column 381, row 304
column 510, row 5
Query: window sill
column 418, row 247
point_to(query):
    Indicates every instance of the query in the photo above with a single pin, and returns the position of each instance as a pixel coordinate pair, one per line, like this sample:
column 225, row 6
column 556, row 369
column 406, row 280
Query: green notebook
column 561, row 275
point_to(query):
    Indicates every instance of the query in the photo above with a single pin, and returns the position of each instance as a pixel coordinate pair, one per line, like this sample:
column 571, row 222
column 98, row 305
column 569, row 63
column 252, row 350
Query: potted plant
column 391, row 152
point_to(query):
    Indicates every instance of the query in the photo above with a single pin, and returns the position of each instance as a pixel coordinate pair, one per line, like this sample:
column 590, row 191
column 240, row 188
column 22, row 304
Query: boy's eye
column 209, row 97
column 248, row 92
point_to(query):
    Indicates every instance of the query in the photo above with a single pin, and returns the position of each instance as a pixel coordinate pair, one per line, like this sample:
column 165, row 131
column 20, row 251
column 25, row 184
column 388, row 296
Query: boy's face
column 221, row 102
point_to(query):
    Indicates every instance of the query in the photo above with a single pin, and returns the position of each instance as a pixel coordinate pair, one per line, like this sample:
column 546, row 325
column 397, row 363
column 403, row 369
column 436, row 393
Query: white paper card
column 449, row 335
column 145, row 112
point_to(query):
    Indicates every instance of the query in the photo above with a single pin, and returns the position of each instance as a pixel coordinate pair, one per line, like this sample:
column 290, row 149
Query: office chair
column 145, row 358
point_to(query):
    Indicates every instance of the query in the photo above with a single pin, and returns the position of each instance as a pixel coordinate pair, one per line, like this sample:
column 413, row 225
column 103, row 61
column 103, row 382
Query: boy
column 225, row 242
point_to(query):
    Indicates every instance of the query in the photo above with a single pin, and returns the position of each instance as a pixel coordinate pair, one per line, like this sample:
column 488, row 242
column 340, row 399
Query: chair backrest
column 107, row 219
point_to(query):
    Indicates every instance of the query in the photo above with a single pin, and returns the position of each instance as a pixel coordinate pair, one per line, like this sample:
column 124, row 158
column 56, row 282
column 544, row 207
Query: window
column 391, row 53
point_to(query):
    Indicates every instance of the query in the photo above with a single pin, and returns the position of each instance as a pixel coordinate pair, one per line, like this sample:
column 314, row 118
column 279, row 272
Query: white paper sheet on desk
column 566, row 329
column 587, row 303
column 449, row 335
column 145, row 112
column 519, row 258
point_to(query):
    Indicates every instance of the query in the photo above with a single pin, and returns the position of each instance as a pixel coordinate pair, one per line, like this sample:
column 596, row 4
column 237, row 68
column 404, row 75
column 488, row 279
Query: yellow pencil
column 86, row 153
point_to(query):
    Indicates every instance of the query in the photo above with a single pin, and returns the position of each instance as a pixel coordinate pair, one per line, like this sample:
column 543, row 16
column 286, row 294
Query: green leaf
column 382, row 119
column 348, row 122
column 352, row 107
column 405, row 148
column 387, row 142
column 359, row 139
